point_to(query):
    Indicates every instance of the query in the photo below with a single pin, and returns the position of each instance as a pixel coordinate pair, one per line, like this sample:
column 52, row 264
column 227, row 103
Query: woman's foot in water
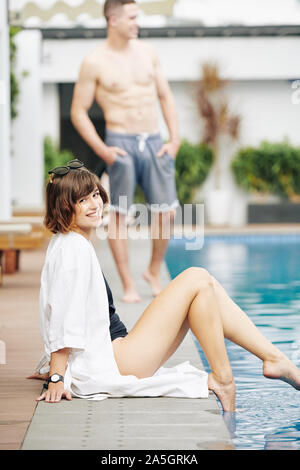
column 282, row 368
column 224, row 389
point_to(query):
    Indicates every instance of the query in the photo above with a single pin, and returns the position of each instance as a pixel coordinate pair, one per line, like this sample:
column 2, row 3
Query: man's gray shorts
column 155, row 175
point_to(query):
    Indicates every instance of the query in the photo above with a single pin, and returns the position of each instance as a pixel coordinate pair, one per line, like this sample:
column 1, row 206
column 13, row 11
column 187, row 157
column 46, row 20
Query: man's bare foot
column 154, row 282
column 38, row 376
column 131, row 296
column 282, row 369
column 224, row 391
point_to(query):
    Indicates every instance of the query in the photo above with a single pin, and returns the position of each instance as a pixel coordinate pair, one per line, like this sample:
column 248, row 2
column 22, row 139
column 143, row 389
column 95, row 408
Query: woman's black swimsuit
column 117, row 328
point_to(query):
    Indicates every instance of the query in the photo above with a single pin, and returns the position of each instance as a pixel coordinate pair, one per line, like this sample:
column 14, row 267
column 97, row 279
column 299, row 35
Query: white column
column 51, row 111
column 27, row 129
column 5, row 163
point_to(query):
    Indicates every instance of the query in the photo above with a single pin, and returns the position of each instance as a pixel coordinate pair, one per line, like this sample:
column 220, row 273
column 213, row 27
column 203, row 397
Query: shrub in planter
column 272, row 168
column 193, row 163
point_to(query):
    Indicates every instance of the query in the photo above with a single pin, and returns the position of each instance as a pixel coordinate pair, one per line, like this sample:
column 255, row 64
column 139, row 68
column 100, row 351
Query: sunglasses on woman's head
column 63, row 170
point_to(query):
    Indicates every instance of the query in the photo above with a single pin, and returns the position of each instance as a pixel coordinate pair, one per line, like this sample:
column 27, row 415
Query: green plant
column 272, row 168
column 193, row 163
column 53, row 156
column 14, row 84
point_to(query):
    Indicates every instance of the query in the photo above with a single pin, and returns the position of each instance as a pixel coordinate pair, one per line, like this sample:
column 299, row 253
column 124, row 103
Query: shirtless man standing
column 124, row 76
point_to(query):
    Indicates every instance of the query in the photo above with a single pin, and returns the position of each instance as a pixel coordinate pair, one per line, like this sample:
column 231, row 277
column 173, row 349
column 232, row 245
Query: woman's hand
column 55, row 393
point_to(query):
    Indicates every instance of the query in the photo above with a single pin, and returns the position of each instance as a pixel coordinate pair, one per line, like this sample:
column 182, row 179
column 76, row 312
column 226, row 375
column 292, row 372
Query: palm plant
column 214, row 110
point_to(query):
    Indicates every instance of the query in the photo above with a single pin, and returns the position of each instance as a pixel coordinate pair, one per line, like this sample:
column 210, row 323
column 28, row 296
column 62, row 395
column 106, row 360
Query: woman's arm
column 67, row 294
column 58, row 364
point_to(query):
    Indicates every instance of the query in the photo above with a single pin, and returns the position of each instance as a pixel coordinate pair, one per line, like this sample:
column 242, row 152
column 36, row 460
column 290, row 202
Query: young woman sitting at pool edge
column 93, row 358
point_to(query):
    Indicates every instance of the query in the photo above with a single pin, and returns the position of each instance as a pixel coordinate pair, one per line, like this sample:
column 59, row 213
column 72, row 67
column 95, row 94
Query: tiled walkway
column 19, row 329
column 20, row 332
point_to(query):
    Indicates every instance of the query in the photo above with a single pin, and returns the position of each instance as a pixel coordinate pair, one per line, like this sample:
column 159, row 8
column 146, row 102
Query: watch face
column 55, row 378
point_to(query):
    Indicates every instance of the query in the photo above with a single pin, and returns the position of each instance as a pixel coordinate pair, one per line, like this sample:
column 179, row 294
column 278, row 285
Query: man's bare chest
column 118, row 74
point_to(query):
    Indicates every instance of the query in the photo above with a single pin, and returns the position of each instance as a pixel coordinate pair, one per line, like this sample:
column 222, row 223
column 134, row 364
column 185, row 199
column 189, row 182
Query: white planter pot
column 217, row 207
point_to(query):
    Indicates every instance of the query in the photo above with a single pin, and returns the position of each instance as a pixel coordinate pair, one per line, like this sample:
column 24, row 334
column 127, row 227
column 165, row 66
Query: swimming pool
column 261, row 273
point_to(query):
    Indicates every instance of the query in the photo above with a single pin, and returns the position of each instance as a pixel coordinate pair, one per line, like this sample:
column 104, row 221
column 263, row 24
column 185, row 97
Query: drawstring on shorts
column 142, row 141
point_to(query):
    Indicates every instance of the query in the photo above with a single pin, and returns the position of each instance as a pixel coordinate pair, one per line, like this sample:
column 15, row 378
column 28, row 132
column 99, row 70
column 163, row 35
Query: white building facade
column 261, row 64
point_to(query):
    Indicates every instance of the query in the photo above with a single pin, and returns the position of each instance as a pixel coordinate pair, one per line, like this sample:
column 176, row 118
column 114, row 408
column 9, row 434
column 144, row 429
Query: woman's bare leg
column 239, row 329
column 177, row 342
column 197, row 298
column 208, row 329
column 189, row 297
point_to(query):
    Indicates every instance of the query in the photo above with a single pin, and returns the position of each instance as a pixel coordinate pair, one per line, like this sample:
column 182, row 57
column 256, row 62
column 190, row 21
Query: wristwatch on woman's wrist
column 54, row 378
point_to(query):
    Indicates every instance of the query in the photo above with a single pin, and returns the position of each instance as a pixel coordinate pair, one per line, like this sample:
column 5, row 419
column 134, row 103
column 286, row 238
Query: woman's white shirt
column 74, row 314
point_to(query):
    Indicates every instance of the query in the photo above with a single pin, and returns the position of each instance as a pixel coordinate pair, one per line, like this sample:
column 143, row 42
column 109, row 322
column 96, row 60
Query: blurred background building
column 255, row 44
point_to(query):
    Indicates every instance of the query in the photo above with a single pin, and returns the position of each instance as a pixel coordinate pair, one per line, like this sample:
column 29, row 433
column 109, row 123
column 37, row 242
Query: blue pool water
column 262, row 275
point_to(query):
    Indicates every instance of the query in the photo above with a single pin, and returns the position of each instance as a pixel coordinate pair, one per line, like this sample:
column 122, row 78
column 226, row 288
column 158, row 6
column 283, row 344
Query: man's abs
column 133, row 112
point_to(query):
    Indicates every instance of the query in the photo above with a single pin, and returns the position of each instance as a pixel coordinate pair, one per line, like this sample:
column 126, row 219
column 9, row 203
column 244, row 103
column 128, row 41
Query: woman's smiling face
column 88, row 211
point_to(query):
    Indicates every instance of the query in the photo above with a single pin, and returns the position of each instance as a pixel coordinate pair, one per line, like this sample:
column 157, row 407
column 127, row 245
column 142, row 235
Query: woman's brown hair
column 63, row 192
